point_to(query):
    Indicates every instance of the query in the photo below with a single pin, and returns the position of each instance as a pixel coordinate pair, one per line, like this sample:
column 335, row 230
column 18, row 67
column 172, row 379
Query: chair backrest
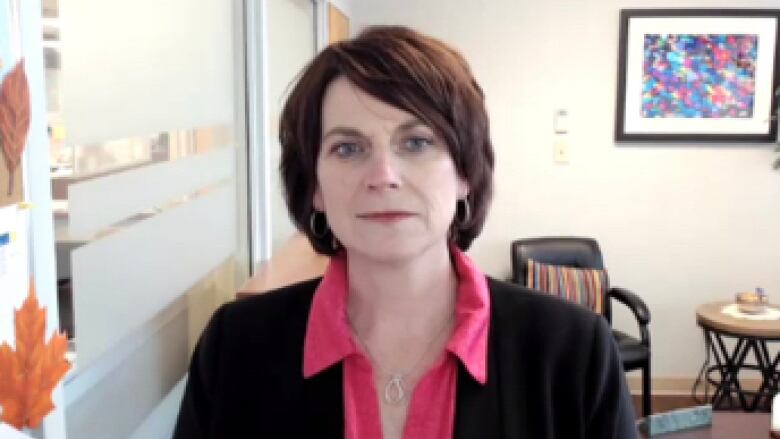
column 574, row 252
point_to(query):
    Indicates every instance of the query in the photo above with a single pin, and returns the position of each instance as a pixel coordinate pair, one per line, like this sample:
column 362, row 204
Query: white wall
column 680, row 224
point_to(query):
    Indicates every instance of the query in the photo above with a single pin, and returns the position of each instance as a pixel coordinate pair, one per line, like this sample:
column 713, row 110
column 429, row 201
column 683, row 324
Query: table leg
column 718, row 385
column 731, row 364
column 762, row 364
column 768, row 368
column 702, row 375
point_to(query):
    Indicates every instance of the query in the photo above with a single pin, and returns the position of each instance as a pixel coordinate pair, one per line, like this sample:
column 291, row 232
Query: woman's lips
column 386, row 217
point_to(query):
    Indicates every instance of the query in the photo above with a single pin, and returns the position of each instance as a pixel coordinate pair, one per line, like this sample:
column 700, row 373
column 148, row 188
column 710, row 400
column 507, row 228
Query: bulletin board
column 14, row 125
column 31, row 349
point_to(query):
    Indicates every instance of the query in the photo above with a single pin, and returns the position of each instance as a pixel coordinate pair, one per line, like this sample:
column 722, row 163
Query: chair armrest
column 633, row 302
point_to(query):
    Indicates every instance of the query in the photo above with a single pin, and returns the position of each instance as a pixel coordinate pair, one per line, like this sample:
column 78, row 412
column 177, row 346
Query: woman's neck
column 411, row 298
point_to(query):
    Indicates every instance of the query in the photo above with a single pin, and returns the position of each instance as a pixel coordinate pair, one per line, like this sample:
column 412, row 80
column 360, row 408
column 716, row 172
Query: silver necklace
column 395, row 388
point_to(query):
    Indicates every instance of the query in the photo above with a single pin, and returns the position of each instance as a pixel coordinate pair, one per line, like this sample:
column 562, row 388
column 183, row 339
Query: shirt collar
column 469, row 340
column 329, row 340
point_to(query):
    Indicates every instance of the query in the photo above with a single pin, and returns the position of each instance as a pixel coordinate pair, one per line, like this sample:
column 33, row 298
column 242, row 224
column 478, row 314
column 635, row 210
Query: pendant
column 394, row 390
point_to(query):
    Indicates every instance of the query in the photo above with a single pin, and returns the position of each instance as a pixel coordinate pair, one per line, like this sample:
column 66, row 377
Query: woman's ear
column 463, row 188
column 319, row 203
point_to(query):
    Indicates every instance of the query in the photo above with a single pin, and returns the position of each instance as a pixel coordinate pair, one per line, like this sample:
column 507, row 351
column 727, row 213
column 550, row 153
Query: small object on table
column 677, row 420
column 750, row 302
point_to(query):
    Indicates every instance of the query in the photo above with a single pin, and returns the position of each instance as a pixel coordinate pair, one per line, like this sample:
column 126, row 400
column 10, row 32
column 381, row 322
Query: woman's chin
column 401, row 250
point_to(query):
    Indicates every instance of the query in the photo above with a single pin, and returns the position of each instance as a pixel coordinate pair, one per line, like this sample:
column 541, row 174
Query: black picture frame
column 640, row 26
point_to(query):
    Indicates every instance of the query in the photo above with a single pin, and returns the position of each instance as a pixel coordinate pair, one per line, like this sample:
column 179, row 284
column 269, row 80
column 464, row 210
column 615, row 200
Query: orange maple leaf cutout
column 30, row 373
column 14, row 118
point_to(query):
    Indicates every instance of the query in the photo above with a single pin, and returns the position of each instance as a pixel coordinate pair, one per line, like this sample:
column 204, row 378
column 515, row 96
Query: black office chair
column 585, row 253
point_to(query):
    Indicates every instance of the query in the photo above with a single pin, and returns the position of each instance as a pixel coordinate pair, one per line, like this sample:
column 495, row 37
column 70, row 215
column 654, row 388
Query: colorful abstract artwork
column 710, row 76
column 696, row 74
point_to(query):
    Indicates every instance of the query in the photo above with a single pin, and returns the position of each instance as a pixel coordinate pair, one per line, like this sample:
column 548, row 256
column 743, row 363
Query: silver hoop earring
column 335, row 245
column 466, row 212
column 313, row 225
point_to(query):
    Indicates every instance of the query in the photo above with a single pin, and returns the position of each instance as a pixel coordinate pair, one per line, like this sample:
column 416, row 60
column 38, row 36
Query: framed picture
column 698, row 75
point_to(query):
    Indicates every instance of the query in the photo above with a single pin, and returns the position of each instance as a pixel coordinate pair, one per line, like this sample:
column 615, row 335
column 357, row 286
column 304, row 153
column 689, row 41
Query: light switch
column 561, row 122
column 561, row 151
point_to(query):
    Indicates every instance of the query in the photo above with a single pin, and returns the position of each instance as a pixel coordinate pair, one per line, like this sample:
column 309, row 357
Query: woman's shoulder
column 558, row 333
column 526, row 310
column 564, row 356
column 517, row 297
column 260, row 318
column 297, row 294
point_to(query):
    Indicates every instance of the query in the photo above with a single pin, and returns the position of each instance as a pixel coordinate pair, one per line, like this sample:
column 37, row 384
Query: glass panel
column 291, row 44
column 146, row 128
column 145, row 66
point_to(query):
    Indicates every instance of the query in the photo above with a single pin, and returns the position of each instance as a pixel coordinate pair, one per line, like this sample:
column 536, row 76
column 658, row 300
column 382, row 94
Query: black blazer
column 553, row 372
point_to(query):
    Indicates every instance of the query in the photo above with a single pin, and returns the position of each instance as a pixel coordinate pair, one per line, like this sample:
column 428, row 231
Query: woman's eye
column 346, row 149
column 416, row 144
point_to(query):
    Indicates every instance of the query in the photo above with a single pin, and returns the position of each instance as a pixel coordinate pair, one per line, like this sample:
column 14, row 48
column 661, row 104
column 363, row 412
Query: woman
column 387, row 165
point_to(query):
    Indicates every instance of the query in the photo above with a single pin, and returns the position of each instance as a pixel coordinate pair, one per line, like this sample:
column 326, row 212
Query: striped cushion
column 584, row 286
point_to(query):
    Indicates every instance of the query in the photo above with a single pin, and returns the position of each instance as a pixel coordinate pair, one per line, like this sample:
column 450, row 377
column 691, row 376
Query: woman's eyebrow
column 414, row 123
column 344, row 131
column 353, row 132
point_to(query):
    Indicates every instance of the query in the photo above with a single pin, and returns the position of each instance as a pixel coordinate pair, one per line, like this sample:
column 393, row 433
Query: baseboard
column 678, row 386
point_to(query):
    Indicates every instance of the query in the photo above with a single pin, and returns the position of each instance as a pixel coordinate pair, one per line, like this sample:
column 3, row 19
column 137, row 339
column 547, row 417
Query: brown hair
column 410, row 71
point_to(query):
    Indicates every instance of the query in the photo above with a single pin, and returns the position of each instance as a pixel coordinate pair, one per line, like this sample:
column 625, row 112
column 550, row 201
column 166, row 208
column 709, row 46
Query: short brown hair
column 403, row 68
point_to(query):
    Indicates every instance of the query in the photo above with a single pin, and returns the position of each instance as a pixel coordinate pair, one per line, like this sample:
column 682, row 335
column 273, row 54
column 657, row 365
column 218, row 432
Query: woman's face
column 386, row 182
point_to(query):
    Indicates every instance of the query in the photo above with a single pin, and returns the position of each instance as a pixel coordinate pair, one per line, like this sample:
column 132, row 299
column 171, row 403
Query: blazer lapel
column 477, row 408
column 323, row 414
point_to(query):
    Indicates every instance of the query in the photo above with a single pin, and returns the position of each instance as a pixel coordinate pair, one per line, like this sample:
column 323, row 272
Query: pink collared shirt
column 431, row 412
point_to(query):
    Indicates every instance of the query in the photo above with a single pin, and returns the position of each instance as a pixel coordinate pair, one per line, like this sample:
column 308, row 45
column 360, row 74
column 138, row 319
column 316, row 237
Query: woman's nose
column 382, row 172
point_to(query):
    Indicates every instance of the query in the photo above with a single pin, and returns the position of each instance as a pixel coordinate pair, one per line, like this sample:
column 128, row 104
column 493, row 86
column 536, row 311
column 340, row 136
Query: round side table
column 750, row 336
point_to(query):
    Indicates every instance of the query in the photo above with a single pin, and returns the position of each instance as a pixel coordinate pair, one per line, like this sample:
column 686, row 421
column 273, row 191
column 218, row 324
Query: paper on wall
column 8, row 432
column 14, row 267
